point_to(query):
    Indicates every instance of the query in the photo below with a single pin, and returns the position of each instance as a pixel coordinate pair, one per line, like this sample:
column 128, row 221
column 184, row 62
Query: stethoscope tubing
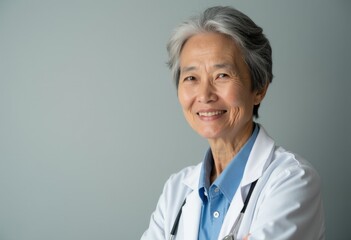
column 237, row 223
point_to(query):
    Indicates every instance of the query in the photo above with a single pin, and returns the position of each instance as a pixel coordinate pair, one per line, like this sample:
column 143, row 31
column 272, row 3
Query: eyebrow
column 224, row 65
column 188, row 69
column 216, row 66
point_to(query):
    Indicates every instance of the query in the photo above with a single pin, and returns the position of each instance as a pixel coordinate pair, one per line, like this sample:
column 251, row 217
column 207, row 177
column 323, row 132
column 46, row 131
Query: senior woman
column 246, row 187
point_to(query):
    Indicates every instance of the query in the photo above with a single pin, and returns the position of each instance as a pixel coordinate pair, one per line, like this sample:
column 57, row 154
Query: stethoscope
column 235, row 229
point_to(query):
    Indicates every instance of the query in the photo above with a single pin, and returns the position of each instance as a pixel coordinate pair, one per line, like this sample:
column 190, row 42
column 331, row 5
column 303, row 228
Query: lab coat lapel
column 192, row 208
column 191, row 213
column 258, row 161
column 233, row 212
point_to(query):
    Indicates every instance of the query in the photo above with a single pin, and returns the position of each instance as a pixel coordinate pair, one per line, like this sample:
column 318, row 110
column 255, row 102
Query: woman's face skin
column 215, row 88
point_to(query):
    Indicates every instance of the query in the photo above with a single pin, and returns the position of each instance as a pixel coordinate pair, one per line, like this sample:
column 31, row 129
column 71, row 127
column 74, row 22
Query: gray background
column 90, row 126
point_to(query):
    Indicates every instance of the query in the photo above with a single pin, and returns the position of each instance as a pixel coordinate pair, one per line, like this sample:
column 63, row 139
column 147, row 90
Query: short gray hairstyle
column 255, row 47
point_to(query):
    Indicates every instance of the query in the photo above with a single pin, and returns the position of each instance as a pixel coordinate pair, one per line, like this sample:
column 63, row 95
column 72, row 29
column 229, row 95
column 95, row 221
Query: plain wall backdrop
column 90, row 126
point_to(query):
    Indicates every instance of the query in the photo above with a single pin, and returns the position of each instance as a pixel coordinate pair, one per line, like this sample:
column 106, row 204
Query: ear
column 260, row 94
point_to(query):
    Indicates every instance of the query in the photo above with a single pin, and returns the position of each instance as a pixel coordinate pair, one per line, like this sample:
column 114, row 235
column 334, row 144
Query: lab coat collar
column 259, row 159
column 192, row 180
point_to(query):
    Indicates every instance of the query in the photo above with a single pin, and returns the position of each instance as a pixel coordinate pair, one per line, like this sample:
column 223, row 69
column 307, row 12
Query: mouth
column 211, row 113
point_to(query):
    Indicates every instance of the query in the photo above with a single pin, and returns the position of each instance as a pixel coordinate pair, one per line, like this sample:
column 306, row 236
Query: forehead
column 207, row 46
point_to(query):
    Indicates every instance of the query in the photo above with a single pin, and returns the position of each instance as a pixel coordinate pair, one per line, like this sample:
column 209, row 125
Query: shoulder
column 176, row 189
column 286, row 163
column 278, row 159
column 174, row 192
column 184, row 180
column 290, row 176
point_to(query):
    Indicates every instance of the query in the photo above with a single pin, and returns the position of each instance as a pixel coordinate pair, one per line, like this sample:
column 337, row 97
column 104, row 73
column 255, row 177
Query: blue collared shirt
column 217, row 197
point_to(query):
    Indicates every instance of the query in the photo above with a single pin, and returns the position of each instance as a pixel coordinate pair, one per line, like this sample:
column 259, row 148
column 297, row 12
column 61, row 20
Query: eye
column 222, row 75
column 189, row 78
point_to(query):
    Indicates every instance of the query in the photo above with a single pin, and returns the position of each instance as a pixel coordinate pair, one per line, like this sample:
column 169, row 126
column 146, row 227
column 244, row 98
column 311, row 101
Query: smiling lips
column 211, row 113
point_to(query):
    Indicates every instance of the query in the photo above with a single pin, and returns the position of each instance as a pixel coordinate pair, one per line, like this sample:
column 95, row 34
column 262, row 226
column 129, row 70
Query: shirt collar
column 230, row 178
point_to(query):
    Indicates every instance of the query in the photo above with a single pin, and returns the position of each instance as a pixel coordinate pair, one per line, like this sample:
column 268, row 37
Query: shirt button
column 216, row 189
column 216, row 214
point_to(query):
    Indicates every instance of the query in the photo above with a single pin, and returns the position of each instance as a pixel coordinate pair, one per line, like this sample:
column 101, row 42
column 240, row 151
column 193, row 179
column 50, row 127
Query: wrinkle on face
column 215, row 78
column 203, row 57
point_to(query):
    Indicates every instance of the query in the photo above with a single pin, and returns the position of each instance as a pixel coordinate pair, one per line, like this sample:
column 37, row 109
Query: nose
column 206, row 93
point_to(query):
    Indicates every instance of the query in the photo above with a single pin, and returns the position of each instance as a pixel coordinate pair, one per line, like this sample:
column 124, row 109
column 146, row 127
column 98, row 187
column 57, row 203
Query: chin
column 209, row 134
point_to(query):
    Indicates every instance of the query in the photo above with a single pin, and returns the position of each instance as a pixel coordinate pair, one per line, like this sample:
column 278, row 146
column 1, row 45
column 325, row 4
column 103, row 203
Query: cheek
column 184, row 98
column 240, row 105
column 234, row 115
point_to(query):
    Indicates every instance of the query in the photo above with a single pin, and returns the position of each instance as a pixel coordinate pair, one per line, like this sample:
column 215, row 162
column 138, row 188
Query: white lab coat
column 285, row 204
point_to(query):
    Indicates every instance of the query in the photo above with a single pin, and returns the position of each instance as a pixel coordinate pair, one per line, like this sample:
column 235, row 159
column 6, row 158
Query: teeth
column 210, row 114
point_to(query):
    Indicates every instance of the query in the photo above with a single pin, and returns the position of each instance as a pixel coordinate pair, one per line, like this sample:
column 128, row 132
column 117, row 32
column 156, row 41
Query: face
column 215, row 87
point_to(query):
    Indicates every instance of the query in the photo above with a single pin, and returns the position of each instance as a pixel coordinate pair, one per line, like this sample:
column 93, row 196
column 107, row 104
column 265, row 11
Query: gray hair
column 255, row 47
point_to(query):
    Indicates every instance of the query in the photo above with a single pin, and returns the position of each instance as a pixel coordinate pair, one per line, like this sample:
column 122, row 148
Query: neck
column 224, row 150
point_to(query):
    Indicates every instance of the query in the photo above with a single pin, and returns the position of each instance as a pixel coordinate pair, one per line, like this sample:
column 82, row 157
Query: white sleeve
column 290, row 206
column 169, row 203
column 156, row 227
